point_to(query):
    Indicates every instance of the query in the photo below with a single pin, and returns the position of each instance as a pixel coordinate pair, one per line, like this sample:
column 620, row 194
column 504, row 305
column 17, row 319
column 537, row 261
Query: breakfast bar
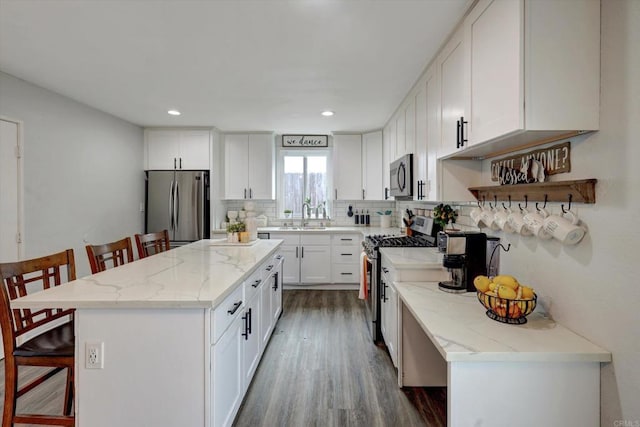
column 535, row 374
column 178, row 334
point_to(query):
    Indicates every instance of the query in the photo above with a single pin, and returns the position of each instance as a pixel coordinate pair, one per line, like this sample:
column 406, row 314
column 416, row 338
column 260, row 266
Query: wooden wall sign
column 555, row 159
column 305, row 140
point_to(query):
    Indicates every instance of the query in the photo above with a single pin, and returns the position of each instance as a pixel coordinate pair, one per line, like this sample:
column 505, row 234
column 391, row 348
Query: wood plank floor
column 322, row 369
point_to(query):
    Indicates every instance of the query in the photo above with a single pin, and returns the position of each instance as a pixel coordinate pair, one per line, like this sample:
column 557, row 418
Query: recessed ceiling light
column 174, row 112
column 327, row 113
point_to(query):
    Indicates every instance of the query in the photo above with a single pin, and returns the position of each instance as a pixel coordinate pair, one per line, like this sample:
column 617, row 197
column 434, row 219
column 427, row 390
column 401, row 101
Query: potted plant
column 443, row 215
column 233, row 231
column 287, row 213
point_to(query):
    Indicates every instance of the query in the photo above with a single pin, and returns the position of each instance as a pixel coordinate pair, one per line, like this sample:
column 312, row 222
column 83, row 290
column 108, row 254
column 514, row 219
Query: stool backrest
column 116, row 253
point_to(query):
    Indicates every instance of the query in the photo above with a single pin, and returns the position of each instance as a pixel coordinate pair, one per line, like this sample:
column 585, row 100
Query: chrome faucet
column 304, row 205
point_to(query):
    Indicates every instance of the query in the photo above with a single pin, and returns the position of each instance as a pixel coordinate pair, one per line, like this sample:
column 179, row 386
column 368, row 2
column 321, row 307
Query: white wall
column 593, row 287
column 83, row 178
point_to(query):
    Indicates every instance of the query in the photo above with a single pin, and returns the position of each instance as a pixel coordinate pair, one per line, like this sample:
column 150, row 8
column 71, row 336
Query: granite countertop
column 198, row 275
column 365, row 231
column 461, row 331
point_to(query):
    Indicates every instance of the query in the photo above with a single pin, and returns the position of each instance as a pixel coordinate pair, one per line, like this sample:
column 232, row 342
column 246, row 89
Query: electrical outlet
column 94, row 357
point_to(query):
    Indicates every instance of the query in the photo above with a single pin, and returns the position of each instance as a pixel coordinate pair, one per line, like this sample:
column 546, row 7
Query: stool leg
column 68, row 393
column 10, row 391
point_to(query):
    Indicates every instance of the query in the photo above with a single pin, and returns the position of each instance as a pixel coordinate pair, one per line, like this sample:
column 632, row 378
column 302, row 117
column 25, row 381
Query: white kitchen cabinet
column 275, row 286
column 249, row 166
column 372, row 182
column 227, row 382
column 389, row 315
column 533, row 74
column 345, row 257
column 290, row 249
column 400, row 134
column 410, row 126
column 182, row 149
column 429, row 190
column 251, row 338
column 420, row 153
column 347, row 167
column 453, row 68
column 386, row 160
column 315, row 259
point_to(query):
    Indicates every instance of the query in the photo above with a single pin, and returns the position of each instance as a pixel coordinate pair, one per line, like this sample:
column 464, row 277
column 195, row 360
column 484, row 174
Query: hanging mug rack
column 577, row 191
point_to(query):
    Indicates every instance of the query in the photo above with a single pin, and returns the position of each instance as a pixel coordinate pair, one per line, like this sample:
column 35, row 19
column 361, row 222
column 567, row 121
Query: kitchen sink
column 289, row 228
column 314, row 228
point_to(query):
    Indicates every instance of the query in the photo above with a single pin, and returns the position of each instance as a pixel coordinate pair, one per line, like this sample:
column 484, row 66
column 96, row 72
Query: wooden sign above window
column 555, row 159
column 305, row 141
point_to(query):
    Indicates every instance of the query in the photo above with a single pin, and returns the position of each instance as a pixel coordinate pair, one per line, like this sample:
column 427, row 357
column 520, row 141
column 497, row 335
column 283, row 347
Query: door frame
column 20, row 181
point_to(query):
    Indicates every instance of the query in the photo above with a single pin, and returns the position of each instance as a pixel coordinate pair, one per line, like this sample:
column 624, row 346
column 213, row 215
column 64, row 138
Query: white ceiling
column 236, row 65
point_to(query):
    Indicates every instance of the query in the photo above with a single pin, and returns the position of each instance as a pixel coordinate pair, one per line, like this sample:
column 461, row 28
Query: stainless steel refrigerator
column 179, row 202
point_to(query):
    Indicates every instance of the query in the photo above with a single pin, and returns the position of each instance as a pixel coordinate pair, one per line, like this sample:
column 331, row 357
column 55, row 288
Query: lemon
column 492, row 286
column 482, row 283
column 506, row 292
column 506, row 280
column 527, row 292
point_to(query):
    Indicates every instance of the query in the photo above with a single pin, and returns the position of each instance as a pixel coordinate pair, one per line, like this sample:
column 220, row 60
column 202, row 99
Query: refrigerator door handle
column 176, row 205
column 171, row 206
column 198, row 182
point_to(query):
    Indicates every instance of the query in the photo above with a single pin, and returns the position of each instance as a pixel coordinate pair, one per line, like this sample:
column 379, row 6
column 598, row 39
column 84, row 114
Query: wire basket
column 511, row 311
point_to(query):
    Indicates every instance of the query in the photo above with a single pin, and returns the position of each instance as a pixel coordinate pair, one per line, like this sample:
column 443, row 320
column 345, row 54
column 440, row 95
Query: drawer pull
column 256, row 283
column 386, row 270
column 235, row 307
column 346, row 254
column 347, row 240
column 269, row 268
column 347, row 274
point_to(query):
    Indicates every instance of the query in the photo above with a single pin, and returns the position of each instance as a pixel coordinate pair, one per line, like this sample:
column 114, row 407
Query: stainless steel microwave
column 401, row 178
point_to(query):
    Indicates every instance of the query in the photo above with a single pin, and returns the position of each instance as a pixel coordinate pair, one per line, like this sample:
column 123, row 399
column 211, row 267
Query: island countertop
column 198, row 275
column 459, row 328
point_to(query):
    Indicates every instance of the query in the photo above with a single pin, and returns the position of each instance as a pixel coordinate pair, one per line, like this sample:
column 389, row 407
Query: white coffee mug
column 565, row 228
column 535, row 223
column 501, row 217
column 516, row 221
column 488, row 218
column 476, row 216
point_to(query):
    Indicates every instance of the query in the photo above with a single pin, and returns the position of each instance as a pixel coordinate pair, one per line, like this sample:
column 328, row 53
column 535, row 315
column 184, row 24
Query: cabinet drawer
column 315, row 239
column 252, row 284
column 347, row 239
column 288, row 238
column 346, row 254
column 268, row 268
column 345, row 273
column 225, row 313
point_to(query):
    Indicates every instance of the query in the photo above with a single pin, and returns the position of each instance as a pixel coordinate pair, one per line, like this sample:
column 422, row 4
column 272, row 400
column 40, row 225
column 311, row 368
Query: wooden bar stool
column 117, row 253
column 50, row 348
column 152, row 243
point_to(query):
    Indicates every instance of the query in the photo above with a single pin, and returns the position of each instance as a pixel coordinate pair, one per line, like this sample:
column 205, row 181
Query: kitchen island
column 536, row 374
column 179, row 334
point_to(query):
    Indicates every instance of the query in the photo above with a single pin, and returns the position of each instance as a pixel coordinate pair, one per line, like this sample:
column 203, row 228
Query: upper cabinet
column 347, row 167
column 372, row 182
column 169, row 149
column 531, row 73
column 357, row 162
column 249, row 167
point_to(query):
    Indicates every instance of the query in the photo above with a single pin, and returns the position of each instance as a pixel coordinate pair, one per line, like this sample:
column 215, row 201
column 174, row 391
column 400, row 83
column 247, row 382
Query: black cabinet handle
column 235, row 307
column 462, row 138
column 269, row 267
column 174, row 162
column 278, row 256
column 275, row 282
column 347, row 274
column 363, row 194
column 347, row 240
column 245, row 318
column 302, row 252
column 458, row 126
column 256, row 283
column 296, row 252
column 250, row 322
column 180, row 162
column 336, row 194
column 245, row 193
column 385, row 269
column 250, row 193
column 346, row 254
column 386, row 193
column 384, row 290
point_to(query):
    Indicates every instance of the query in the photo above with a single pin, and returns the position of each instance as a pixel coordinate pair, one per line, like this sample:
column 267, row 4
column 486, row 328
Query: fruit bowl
column 512, row 311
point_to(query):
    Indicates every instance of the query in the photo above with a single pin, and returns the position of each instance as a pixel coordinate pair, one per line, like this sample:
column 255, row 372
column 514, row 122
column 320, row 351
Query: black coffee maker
column 465, row 258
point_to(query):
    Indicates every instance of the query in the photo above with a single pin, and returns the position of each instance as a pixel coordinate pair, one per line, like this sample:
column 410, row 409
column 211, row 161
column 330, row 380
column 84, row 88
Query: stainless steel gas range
column 423, row 236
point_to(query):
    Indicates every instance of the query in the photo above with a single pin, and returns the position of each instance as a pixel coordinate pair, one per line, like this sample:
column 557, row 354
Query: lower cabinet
column 389, row 316
column 252, row 311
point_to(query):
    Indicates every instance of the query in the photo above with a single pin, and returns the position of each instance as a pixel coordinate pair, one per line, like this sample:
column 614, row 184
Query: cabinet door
column 400, row 134
column 261, row 171
column 290, row 264
column 495, row 32
column 194, row 150
column 453, row 70
column 420, row 154
column 251, row 339
column 384, row 309
column 236, row 166
column 432, row 89
column 162, row 149
column 227, row 375
column 386, row 160
column 347, row 167
column 315, row 265
column 276, row 296
column 392, row 323
column 410, row 126
column 372, row 166
column 266, row 322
